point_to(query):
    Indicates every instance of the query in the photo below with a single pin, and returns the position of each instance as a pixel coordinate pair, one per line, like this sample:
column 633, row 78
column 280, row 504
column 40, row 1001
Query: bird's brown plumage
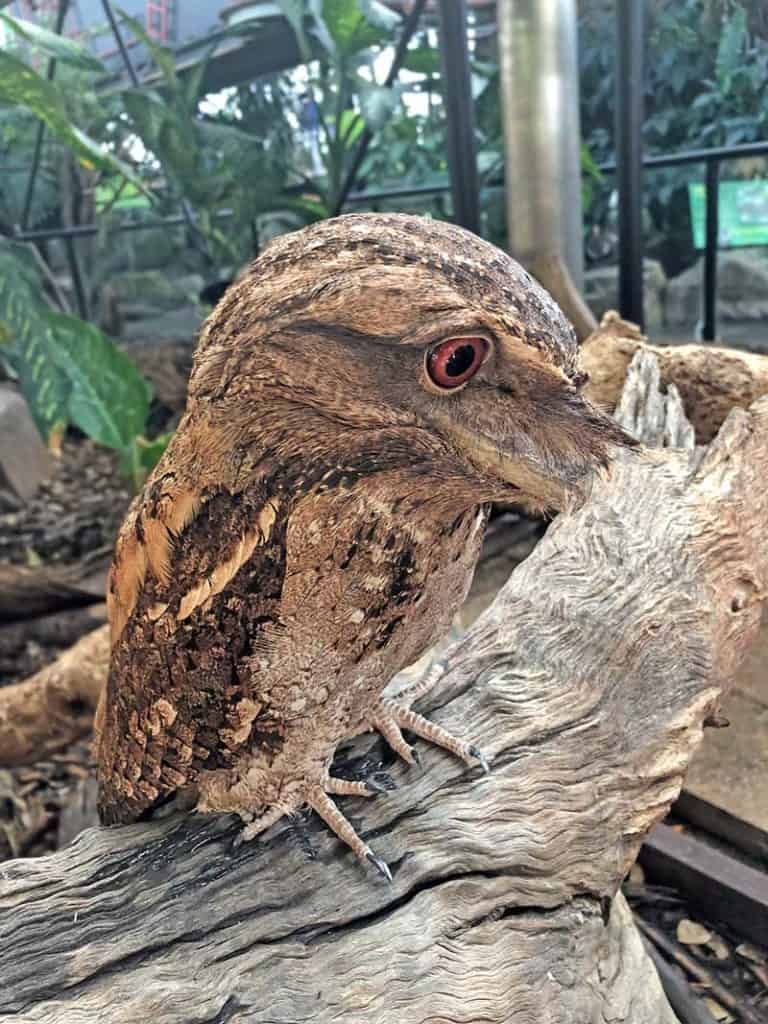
column 316, row 519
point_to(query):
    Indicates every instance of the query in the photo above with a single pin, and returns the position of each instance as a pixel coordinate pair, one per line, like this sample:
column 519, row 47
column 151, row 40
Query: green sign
column 128, row 196
column 743, row 209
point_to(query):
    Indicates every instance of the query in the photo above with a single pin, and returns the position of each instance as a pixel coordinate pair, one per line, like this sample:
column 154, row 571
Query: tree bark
column 588, row 681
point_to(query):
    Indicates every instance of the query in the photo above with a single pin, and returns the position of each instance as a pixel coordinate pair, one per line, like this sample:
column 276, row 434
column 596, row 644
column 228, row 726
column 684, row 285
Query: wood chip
column 749, row 952
column 718, row 1012
column 637, row 875
column 716, row 945
column 691, row 933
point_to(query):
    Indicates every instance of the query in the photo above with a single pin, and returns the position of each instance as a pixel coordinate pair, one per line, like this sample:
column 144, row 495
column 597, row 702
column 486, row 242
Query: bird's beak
column 553, row 468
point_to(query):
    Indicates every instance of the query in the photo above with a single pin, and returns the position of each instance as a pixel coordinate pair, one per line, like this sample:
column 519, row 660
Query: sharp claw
column 381, row 865
column 384, row 785
column 480, row 756
column 416, row 756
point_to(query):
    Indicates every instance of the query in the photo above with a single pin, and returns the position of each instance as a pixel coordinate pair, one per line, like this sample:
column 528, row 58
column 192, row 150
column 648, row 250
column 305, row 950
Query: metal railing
column 629, row 165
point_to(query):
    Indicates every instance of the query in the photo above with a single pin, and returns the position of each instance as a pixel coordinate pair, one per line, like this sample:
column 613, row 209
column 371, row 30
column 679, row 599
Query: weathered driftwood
column 26, row 593
column 711, row 380
column 588, row 682
column 55, row 706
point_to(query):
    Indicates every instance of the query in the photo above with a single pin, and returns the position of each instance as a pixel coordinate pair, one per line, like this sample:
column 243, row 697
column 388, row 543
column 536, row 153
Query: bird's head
column 414, row 340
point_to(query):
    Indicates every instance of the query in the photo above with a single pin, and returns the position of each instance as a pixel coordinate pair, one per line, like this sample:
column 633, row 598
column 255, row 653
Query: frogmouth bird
column 357, row 400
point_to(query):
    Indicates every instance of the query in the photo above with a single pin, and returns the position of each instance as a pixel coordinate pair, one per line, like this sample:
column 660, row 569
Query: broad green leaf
column 141, row 457
column 350, row 126
column 68, row 370
column 171, row 138
column 379, row 15
column 21, row 85
column 730, row 52
column 108, row 399
column 66, row 50
column 354, row 25
column 423, row 60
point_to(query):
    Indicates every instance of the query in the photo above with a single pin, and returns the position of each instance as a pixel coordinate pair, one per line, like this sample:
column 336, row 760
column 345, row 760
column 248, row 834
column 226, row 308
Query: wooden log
column 55, row 706
column 588, row 681
column 711, row 380
column 26, row 593
column 717, row 884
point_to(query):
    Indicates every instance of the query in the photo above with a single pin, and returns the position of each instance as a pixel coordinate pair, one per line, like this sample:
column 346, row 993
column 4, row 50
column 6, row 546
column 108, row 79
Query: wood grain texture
column 589, row 679
column 55, row 706
column 711, row 380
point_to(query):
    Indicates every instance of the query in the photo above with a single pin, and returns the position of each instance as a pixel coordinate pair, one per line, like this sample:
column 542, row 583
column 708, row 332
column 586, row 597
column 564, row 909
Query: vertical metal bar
column 61, row 14
column 709, row 327
column 460, row 111
column 630, row 45
column 120, row 44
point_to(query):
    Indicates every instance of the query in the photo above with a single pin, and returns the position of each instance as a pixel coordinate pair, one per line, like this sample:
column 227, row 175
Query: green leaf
column 141, row 457
column 352, row 25
column 21, row 85
column 423, row 60
column 350, row 126
column 730, row 51
column 68, row 370
column 60, row 47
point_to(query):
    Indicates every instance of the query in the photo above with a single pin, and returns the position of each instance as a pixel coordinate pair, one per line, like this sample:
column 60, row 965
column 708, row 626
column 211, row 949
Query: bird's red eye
column 452, row 362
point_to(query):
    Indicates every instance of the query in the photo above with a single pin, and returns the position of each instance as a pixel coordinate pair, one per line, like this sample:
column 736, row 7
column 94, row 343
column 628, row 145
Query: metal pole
column 61, row 14
column 409, row 27
column 709, row 328
column 630, row 44
column 120, row 44
column 460, row 111
column 539, row 95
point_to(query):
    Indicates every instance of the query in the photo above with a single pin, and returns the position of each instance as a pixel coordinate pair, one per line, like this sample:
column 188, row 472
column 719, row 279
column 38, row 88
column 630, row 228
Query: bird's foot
column 318, row 797
column 321, row 803
column 389, row 717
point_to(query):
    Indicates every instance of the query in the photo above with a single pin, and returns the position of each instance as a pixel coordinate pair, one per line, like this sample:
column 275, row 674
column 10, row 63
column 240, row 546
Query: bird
column 358, row 399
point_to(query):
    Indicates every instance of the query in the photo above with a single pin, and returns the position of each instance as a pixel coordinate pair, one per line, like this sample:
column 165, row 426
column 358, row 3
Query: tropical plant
column 69, row 372
column 706, row 85
column 211, row 164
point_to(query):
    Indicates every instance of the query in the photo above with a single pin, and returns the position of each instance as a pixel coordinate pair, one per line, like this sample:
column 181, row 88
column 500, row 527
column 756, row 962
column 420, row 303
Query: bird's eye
column 453, row 362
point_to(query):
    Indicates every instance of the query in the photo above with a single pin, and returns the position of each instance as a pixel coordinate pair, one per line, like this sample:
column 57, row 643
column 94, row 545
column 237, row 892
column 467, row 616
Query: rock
column 601, row 290
column 25, row 462
column 742, row 289
column 684, row 297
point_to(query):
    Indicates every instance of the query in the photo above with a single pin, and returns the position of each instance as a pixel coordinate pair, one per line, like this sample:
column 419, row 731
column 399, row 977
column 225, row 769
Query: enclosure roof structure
column 237, row 59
